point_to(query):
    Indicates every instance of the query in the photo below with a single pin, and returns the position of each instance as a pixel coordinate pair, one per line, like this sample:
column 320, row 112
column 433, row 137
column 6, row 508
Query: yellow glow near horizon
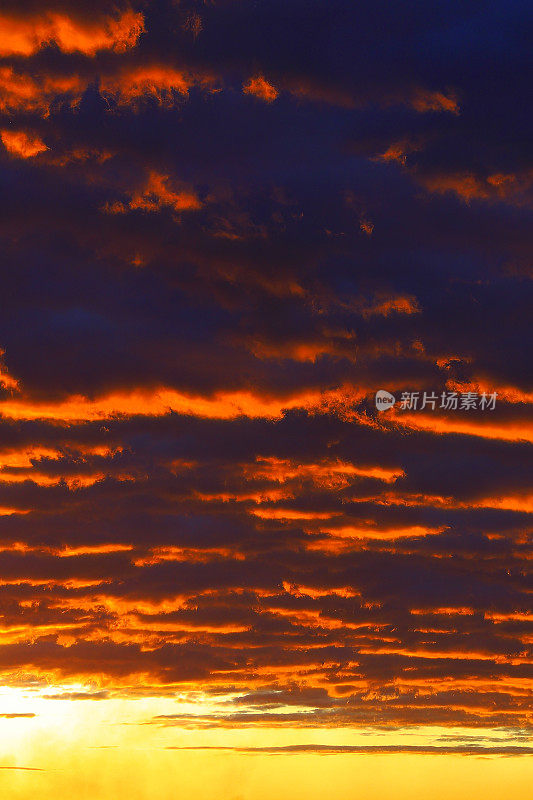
column 107, row 750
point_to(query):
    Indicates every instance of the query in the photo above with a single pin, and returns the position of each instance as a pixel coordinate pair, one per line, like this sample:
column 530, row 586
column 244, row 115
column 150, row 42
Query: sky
column 226, row 571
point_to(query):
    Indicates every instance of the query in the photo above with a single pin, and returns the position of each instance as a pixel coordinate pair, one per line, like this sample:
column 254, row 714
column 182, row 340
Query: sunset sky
column 224, row 573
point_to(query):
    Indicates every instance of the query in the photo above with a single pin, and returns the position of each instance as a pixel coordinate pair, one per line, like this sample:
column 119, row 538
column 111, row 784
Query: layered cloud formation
column 224, row 227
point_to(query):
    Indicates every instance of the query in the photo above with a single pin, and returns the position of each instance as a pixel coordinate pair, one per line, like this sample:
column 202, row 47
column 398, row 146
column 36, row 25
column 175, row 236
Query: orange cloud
column 514, row 616
column 398, row 151
column 188, row 554
column 366, row 226
column 68, row 552
column 352, row 532
column 22, row 144
column 446, row 611
column 23, row 35
column 426, row 100
column 467, row 186
column 157, row 80
column 7, row 511
column 333, row 474
column 156, row 195
column 395, row 152
column 19, row 92
column 304, row 350
column 507, row 394
column 468, row 655
column 158, row 402
column 385, row 306
column 79, row 155
column 35, row 477
column 508, row 503
column 272, row 495
column 260, row 87
column 25, row 457
column 304, row 88
column 6, row 380
column 291, row 513
column 126, row 85
column 487, row 430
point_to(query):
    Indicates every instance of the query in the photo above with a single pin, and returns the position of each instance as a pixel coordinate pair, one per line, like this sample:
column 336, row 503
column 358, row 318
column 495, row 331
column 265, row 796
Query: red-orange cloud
column 22, row 144
column 23, row 36
column 261, row 88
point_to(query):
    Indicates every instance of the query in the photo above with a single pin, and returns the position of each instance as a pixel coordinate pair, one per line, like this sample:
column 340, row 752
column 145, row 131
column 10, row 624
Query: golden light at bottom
column 109, row 749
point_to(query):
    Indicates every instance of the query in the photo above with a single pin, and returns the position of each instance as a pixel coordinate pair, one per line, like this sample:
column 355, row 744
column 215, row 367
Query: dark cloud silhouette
column 329, row 750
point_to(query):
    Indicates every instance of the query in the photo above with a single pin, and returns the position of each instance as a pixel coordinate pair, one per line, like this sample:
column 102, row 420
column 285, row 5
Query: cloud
column 156, row 194
column 22, row 144
column 23, row 36
column 14, row 715
column 497, row 188
column 261, row 88
column 220, row 237
column 324, row 749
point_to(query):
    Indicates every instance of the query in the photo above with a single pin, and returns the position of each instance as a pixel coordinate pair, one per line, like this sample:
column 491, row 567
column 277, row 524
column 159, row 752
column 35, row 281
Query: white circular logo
column 384, row 400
